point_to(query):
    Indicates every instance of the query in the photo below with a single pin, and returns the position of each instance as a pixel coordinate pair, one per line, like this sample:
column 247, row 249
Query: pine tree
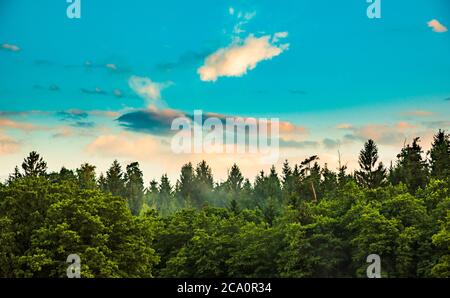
column 440, row 156
column 310, row 175
column 411, row 168
column 203, row 174
column 234, row 207
column 86, row 176
column 370, row 175
column 185, row 187
column 134, row 188
column 14, row 176
column 274, row 185
column 234, row 180
column 204, row 184
column 165, row 201
column 34, row 165
column 114, row 179
column 102, row 183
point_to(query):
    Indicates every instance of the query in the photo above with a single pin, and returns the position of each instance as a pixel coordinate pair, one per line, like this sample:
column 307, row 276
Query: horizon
column 106, row 86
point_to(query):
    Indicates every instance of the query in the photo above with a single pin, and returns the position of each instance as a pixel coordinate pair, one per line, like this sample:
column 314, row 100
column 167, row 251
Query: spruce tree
column 134, row 187
column 114, row 179
column 370, row 174
column 34, row 165
column 86, row 176
column 440, row 156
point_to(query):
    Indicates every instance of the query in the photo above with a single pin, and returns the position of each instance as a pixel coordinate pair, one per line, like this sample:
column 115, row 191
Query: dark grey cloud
column 72, row 115
column 96, row 91
column 83, row 124
column 149, row 121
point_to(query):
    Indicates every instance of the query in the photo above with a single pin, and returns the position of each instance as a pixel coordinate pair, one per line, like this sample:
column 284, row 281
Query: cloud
column 63, row 132
column 403, row 125
column 330, row 143
column 152, row 120
column 83, row 124
column 102, row 113
column 238, row 58
column 298, row 144
column 231, row 10
column 97, row 91
column 10, row 47
column 243, row 19
column 125, row 145
column 418, row 113
column 159, row 121
column 437, row 124
column 437, row 26
column 8, row 123
column 147, row 89
column 111, row 66
column 8, row 145
column 73, row 114
column 382, row 133
column 279, row 35
column 344, row 126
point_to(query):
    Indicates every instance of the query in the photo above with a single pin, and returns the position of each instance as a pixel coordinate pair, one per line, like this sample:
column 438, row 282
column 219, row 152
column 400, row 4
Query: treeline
column 307, row 221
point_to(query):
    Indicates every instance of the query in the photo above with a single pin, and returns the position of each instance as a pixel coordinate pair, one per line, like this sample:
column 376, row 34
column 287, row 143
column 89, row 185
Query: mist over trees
column 306, row 221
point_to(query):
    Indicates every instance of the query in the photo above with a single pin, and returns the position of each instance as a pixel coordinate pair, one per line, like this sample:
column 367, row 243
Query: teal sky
column 339, row 75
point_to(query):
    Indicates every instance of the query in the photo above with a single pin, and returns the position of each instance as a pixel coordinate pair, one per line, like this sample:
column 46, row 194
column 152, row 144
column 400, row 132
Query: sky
column 108, row 85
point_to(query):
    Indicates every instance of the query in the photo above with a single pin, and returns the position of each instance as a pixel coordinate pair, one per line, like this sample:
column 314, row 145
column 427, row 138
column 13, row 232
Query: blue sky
column 336, row 74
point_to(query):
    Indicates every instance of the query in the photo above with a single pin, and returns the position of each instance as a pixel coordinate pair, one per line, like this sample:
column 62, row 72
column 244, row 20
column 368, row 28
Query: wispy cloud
column 73, row 114
column 344, row 126
column 238, row 58
column 437, row 26
column 418, row 113
column 8, row 123
column 10, row 47
column 148, row 89
column 8, row 145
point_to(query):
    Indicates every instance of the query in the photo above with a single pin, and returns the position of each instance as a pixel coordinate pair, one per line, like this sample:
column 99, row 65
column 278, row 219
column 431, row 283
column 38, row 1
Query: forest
column 306, row 221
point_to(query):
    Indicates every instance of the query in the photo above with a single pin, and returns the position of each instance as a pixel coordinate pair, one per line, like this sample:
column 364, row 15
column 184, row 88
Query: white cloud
column 231, row 11
column 437, row 26
column 241, row 56
column 147, row 89
column 279, row 35
column 111, row 66
column 10, row 47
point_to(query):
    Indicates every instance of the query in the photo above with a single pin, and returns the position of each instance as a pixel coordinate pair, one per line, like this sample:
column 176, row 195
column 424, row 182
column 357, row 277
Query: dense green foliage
column 307, row 222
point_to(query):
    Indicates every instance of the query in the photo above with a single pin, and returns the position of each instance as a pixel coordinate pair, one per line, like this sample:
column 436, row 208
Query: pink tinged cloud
column 8, row 145
column 344, row 126
column 7, row 123
column 241, row 56
column 437, row 26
